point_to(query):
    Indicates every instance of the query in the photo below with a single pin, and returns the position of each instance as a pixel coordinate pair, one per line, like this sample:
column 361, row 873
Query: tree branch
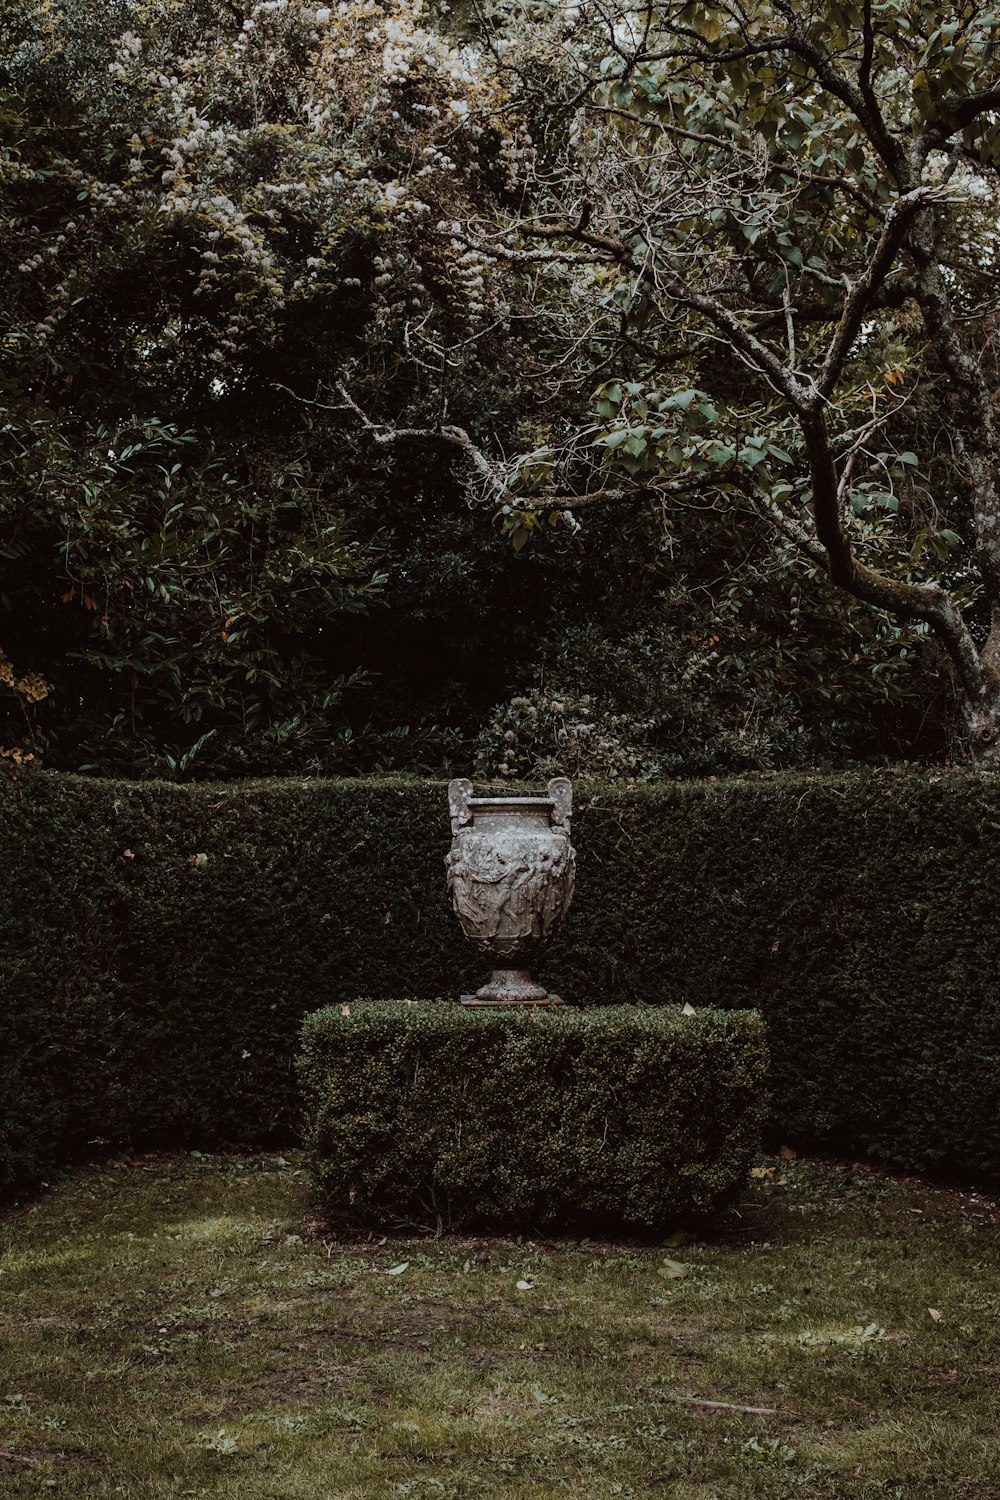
column 894, row 230
column 964, row 111
column 865, row 110
column 977, row 439
column 927, row 602
column 382, row 433
column 802, row 396
column 867, row 56
column 706, row 138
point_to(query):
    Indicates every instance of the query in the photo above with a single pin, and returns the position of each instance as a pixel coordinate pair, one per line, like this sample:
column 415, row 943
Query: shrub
column 540, row 734
column 636, row 1115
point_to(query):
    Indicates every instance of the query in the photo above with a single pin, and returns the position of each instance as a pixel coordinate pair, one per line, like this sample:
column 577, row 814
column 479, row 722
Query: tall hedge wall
column 159, row 945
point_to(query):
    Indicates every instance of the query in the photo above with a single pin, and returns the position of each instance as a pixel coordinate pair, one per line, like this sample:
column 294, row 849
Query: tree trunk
column 982, row 725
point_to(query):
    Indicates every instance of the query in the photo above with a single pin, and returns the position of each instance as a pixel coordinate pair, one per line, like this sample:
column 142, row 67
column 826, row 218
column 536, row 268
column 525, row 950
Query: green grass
column 182, row 1327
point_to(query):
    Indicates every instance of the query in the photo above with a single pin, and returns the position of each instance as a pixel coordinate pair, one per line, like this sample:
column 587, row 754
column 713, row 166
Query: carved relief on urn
column 510, row 874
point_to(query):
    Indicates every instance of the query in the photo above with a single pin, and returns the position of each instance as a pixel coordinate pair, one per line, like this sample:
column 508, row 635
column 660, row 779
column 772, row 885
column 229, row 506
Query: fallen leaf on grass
column 525, row 1286
column 934, row 1314
column 398, row 1270
column 671, row 1270
column 761, row 1172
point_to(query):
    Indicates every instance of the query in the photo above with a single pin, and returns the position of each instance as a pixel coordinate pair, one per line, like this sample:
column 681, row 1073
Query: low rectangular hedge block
column 432, row 1114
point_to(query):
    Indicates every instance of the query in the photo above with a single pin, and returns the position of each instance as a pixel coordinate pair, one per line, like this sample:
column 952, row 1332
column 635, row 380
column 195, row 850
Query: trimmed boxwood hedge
column 148, row 994
column 434, row 1115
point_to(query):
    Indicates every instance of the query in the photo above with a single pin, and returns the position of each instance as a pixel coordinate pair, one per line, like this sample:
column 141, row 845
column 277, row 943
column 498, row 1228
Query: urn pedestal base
column 511, row 987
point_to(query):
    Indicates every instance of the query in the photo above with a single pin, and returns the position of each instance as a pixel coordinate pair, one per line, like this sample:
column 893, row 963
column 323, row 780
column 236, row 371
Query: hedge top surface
column 880, row 778
column 444, row 1016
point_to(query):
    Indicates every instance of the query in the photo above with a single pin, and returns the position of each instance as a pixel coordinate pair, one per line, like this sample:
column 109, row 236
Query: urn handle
column 459, row 792
column 561, row 791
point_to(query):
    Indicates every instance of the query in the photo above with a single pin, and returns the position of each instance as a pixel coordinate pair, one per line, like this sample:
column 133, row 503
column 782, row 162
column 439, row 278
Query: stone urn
column 510, row 874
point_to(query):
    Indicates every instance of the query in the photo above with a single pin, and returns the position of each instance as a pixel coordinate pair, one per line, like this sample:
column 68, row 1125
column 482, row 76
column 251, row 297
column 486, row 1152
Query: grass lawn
column 180, row 1326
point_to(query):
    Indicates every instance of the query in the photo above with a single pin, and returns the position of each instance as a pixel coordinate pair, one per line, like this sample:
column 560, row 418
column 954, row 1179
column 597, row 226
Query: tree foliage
column 810, row 189
column 207, row 215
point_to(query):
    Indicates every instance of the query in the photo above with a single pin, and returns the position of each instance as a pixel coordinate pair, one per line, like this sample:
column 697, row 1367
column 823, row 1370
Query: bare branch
column 786, row 298
column 382, row 433
column 751, row 1411
column 571, row 502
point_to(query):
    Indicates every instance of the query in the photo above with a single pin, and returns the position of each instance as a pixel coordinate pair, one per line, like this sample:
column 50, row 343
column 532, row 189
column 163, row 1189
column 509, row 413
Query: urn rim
column 511, row 802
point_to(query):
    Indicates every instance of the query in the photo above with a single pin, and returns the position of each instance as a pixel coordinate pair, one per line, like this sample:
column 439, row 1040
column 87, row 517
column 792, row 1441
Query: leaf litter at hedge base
column 183, row 1326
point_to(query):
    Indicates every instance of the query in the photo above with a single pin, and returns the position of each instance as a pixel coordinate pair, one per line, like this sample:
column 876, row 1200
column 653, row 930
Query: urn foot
column 511, row 987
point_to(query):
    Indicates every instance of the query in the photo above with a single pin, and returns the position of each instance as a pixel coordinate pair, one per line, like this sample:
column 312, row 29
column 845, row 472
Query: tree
column 811, row 189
